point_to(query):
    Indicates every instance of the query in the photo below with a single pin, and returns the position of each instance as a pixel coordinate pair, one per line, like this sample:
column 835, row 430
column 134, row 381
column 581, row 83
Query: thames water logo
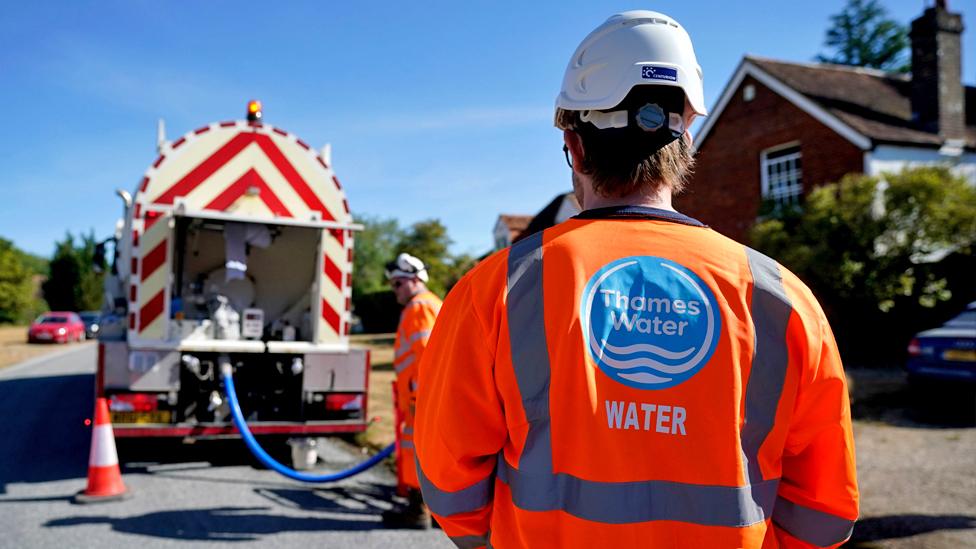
column 649, row 322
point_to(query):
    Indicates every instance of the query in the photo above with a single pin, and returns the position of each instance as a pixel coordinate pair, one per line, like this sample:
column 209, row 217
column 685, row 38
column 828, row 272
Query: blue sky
column 433, row 109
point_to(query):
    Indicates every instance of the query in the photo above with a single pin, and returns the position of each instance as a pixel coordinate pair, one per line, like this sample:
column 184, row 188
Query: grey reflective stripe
column 407, row 430
column 408, row 341
column 406, row 444
column 403, row 364
column 640, row 501
column 770, row 309
column 404, row 349
column 530, row 354
column 446, row 503
column 812, row 526
column 470, row 542
column 535, row 487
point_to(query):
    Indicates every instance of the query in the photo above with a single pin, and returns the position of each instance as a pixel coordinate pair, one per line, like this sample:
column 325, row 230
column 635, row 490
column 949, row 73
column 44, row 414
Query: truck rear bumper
column 215, row 430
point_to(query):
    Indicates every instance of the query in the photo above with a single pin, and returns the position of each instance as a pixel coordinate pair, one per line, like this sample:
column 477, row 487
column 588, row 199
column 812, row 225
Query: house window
column 782, row 175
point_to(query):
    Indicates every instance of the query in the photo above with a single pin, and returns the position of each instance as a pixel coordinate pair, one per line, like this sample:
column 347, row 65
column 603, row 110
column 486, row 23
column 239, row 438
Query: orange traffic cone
column 104, row 477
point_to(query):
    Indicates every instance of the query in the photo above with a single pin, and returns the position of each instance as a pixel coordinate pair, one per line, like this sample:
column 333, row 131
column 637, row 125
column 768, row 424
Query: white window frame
column 782, row 196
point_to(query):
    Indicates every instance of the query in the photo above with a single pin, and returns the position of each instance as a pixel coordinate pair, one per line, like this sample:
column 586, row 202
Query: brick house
column 507, row 228
column 512, row 228
column 559, row 209
column 780, row 129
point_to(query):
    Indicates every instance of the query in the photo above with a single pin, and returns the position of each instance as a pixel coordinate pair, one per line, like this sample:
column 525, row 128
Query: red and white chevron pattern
column 249, row 169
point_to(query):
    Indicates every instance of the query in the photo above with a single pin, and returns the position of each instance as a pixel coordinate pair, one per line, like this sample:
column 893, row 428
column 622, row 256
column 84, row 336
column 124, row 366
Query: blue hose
column 268, row 461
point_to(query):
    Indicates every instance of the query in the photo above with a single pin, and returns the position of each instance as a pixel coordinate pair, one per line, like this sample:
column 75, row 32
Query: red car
column 58, row 327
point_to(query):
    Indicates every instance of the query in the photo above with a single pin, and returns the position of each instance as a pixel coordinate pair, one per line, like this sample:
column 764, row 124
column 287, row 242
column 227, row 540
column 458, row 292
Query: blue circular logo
column 649, row 322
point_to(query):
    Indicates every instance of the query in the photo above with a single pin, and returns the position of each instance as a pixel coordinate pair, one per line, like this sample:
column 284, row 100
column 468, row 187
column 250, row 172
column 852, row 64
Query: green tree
column 38, row 268
column 34, row 263
column 893, row 255
column 862, row 35
column 429, row 241
column 73, row 285
column 16, row 288
column 374, row 246
column 379, row 243
column 92, row 292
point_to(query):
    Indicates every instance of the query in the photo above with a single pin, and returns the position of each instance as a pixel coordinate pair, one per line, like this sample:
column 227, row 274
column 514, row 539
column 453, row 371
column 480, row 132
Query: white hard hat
column 631, row 49
column 406, row 266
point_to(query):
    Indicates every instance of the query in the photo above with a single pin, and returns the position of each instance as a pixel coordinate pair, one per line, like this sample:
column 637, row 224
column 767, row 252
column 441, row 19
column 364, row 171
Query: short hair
column 622, row 161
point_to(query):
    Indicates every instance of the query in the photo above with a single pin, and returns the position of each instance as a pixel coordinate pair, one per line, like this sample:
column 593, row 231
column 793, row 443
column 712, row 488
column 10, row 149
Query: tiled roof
column 515, row 222
column 874, row 103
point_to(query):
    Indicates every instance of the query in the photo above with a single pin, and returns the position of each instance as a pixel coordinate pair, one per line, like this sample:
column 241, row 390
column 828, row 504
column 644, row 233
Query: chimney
column 938, row 98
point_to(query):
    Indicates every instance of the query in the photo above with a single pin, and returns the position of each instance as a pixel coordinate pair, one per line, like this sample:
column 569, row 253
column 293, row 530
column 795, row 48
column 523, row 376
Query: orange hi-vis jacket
column 413, row 332
column 631, row 378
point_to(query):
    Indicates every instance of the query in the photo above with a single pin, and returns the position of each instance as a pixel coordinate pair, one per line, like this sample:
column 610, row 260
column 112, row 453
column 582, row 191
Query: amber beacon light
column 254, row 110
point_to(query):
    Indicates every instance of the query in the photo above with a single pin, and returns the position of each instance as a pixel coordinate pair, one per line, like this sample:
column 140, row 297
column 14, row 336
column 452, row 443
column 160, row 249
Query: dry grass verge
column 381, row 376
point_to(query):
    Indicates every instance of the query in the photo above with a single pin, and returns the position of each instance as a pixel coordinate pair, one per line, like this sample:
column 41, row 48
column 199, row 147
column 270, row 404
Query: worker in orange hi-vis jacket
column 631, row 378
column 408, row 276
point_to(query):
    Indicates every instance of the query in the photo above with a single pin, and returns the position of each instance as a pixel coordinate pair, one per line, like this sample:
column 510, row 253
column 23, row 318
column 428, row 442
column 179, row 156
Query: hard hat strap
column 647, row 127
column 605, row 120
column 650, row 118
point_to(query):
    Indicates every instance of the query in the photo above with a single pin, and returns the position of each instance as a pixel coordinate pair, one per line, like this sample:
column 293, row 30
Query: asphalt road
column 916, row 467
column 205, row 494
column 916, row 463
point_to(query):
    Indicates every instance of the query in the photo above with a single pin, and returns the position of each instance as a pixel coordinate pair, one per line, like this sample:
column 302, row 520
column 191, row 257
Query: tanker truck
column 237, row 245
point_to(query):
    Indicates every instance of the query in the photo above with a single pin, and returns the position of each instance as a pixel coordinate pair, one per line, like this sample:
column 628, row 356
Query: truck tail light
column 343, row 401
column 133, row 402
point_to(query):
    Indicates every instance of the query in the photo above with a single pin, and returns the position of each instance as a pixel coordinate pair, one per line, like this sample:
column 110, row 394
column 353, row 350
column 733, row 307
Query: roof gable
column 747, row 67
column 865, row 106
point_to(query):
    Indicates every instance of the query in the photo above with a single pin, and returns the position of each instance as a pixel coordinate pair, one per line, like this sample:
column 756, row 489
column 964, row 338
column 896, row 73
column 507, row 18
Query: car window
column 54, row 320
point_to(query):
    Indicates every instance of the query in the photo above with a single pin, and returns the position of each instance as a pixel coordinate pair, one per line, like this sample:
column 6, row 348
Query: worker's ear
column 576, row 152
column 689, row 119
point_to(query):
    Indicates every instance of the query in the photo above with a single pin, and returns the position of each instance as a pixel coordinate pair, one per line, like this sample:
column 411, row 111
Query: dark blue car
column 90, row 318
column 946, row 353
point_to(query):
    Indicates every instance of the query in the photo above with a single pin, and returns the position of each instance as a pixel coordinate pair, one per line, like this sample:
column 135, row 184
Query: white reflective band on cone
column 103, row 447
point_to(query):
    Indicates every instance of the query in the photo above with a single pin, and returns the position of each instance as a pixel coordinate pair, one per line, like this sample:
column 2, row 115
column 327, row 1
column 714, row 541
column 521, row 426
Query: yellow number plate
column 156, row 416
column 961, row 355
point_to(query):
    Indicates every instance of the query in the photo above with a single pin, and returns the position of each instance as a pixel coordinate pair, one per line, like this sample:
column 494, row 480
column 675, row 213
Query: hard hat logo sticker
column 659, row 73
column 649, row 322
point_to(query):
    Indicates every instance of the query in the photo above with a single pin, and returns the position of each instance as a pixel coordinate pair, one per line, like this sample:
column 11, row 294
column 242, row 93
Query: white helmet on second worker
column 406, row 266
column 631, row 49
